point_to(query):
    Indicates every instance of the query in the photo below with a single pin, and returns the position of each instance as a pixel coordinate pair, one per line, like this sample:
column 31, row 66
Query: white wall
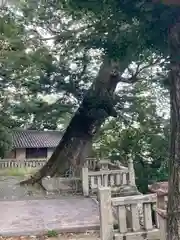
column 50, row 152
column 20, row 153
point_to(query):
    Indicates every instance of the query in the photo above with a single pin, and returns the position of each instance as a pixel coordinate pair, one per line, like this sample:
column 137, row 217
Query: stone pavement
column 30, row 217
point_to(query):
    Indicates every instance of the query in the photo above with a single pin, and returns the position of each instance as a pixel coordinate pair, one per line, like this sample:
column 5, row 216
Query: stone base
column 62, row 184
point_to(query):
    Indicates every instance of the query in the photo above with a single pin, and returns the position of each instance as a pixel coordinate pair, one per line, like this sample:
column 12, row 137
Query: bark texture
column 168, row 2
column 97, row 105
column 173, row 230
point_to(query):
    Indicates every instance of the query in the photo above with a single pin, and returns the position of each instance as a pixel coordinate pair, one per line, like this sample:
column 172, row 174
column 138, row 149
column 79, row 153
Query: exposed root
column 29, row 181
column 33, row 182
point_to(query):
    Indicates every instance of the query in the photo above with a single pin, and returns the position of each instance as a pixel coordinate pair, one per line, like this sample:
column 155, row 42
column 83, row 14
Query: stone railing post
column 85, row 181
column 106, row 215
column 131, row 172
column 162, row 219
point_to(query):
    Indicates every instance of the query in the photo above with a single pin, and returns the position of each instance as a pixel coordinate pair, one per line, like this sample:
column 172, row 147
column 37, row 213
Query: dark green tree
column 141, row 132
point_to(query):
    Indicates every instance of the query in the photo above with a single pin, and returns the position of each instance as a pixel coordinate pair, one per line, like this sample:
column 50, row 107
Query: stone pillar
column 106, row 215
column 131, row 172
column 85, row 181
column 162, row 219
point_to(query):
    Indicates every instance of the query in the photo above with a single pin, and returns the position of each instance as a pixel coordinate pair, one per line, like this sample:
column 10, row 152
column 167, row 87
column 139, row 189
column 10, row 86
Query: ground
column 28, row 211
column 65, row 214
column 69, row 236
column 11, row 190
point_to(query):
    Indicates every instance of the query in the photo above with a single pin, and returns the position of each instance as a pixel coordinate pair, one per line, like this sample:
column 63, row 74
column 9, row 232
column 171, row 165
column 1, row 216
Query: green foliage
column 25, row 172
column 52, row 233
column 50, row 77
column 142, row 133
column 5, row 140
column 152, row 19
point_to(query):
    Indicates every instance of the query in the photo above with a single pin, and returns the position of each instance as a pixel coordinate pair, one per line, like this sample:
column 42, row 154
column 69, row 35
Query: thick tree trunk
column 173, row 229
column 96, row 106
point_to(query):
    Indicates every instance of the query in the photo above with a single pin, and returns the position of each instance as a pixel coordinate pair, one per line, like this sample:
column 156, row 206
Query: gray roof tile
column 35, row 139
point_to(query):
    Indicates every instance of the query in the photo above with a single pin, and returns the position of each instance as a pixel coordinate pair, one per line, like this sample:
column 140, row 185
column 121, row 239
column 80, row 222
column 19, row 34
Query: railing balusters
column 16, row 163
column 122, row 222
column 147, row 216
column 118, row 179
column 112, row 182
column 135, row 218
column 105, row 183
column 124, row 178
column 129, row 226
column 99, row 181
column 104, row 177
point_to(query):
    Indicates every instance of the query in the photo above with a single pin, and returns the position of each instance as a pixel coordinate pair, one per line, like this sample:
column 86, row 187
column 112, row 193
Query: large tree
column 88, row 32
column 157, row 27
column 160, row 28
column 131, row 35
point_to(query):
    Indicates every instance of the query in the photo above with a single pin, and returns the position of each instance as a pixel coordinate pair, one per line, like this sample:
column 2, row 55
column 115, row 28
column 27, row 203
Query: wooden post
column 85, row 181
column 106, row 216
column 131, row 172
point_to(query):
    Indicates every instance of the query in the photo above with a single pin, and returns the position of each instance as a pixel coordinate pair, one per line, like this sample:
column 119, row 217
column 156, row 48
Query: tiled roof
column 35, row 139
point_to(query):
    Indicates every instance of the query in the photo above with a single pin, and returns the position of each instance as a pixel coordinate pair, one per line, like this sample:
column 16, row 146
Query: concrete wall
column 50, row 152
column 20, row 153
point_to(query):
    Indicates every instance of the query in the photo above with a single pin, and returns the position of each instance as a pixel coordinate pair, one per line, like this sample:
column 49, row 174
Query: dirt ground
column 11, row 190
column 27, row 210
column 69, row 236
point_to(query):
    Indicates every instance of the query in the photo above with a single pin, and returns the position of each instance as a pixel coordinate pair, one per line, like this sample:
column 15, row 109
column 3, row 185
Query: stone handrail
column 90, row 163
column 93, row 163
column 161, row 189
column 91, row 180
column 15, row 163
column 115, row 177
column 34, row 162
column 131, row 229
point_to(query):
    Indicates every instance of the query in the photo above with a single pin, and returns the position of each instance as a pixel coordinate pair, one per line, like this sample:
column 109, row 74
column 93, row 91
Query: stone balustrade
column 161, row 189
column 14, row 163
column 91, row 180
column 129, row 225
column 37, row 162
column 107, row 177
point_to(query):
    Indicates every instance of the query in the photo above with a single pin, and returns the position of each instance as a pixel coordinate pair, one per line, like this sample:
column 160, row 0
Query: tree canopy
column 122, row 33
column 60, row 48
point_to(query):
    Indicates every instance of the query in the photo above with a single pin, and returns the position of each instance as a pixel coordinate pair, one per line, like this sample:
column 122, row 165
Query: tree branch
column 134, row 78
column 66, row 34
